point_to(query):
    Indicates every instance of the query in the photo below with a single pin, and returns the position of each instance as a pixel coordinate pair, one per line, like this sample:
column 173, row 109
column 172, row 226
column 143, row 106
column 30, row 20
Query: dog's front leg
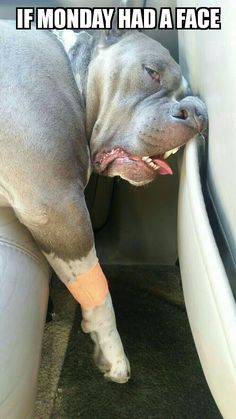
column 66, row 239
column 91, row 290
column 109, row 354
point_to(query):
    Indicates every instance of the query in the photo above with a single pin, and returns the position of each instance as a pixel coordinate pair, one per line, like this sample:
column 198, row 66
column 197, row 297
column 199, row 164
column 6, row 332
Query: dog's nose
column 192, row 111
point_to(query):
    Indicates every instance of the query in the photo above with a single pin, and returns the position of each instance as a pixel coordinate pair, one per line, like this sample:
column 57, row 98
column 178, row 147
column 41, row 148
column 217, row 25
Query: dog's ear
column 111, row 36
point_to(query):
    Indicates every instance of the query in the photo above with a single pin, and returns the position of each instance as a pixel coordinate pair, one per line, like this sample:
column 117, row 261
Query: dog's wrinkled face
column 137, row 110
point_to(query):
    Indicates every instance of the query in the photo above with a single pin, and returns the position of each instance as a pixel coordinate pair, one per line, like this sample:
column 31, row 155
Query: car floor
column 167, row 379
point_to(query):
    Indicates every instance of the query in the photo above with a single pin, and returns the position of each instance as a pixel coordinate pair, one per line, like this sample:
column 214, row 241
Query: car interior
column 168, row 250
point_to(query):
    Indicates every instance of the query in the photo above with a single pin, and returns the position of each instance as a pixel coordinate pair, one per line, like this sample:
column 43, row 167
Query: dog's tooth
column 150, row 162
column 167, row 154
column 175, row 150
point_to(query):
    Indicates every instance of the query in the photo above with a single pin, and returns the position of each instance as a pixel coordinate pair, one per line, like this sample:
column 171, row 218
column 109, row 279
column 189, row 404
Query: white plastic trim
column 209, row 301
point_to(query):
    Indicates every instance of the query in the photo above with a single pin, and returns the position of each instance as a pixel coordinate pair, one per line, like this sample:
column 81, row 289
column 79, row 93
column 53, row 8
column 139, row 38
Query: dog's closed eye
column 153, row 73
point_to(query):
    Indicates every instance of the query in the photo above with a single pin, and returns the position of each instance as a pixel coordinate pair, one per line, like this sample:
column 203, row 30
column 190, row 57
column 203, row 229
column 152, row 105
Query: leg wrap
column 89, row 289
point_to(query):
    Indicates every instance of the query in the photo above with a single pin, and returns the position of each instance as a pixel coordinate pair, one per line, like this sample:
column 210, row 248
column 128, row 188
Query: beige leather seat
column 24, row 279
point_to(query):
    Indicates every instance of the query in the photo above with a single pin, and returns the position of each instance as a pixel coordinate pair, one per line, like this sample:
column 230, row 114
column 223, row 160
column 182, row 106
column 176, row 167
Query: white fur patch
column 67, row 37
column 109, row 352
column 69, row 270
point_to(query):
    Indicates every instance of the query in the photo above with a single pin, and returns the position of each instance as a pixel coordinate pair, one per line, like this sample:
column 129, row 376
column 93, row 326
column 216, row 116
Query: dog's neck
column 79, row 47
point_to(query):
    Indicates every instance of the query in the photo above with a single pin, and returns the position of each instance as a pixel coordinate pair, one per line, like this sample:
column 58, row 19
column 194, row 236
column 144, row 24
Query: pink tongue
column 164, row 169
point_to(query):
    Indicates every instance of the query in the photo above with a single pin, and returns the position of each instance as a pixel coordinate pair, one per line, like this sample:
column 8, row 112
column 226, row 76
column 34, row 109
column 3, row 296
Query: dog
column 71, row 103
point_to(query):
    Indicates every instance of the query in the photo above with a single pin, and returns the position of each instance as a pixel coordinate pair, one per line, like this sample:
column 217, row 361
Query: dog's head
column 138, row 111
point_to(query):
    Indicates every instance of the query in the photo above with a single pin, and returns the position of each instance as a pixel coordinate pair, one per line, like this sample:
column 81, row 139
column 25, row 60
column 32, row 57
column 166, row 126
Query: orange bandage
column 89, row 289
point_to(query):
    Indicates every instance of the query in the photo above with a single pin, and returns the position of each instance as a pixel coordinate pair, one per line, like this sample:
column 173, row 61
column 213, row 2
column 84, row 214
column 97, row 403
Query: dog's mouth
column 107, row 162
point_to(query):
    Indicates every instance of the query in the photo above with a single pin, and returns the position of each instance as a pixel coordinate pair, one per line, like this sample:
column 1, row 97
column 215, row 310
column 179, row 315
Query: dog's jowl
column 73, row 103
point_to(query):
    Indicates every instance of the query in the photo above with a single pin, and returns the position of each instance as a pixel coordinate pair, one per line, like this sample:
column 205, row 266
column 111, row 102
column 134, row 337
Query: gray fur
column 44, row 156
column 58, row 112
column 54, row 104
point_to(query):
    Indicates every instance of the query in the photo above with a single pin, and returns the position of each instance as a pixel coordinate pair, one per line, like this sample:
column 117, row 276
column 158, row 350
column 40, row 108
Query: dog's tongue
column 164, row 169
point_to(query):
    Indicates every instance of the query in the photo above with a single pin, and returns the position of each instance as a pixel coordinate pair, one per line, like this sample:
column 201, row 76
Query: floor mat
column 167, row 380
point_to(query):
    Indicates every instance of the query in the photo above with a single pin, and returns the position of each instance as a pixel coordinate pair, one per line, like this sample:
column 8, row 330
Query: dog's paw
column 117, row 368
column 109, row 355
column 119, row 371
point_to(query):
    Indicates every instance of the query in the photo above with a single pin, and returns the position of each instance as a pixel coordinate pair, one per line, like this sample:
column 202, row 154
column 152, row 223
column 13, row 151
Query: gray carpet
column 167, row 380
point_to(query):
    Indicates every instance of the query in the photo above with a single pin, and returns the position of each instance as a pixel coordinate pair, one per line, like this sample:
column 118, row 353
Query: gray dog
column 73, row 103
